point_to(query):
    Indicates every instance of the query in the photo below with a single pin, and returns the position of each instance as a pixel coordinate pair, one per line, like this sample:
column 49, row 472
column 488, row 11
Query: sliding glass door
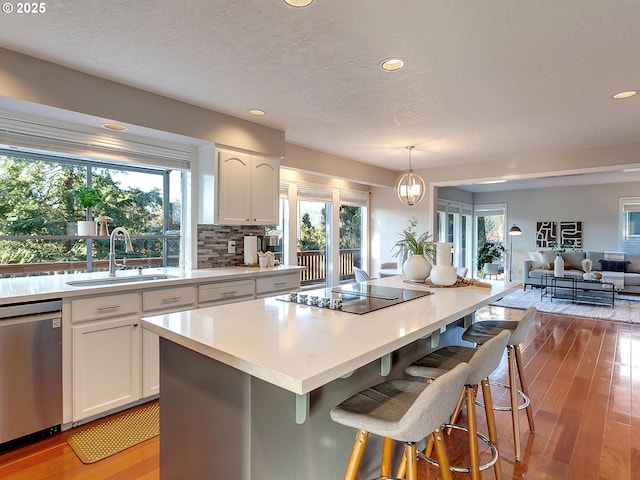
column 490, row 232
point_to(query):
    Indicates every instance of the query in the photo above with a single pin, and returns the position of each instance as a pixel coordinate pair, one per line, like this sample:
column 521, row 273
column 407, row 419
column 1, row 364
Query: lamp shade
column 410, row 187
column 514, row 230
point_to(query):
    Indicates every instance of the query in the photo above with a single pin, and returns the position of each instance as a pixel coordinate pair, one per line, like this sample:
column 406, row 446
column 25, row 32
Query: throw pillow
column 548, row 256
column 567, row 265
column 548, row 266
column 613, row 265
column 634, row 262
column 536, row 259
column 595, row 259
column 574, row 258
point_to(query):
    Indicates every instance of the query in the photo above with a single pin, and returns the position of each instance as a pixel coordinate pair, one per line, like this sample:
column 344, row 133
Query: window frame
column 91, row 264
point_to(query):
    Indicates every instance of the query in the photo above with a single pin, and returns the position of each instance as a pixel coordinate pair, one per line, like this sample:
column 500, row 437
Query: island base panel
column 218, row 422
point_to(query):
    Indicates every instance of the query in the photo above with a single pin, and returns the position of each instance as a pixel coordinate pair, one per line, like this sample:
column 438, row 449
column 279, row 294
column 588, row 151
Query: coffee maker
column 268, row 243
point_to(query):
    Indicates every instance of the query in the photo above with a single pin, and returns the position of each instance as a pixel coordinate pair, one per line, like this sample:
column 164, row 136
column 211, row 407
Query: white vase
column 558, row 267
column 86, row 229
column 443, row 273
column 416, row 268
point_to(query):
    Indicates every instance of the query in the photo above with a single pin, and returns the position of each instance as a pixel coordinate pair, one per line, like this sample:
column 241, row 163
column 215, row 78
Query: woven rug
column 627, row 307
column 116, row 434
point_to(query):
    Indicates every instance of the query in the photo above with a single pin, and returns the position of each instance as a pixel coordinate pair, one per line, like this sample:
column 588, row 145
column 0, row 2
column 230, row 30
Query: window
column 490, row 227
column 38, row 213
column 630, row 225
column 325, row 230
column 454, row 225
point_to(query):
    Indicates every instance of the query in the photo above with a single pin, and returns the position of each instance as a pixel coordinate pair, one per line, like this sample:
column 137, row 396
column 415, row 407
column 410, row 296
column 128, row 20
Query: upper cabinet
column 248, row 188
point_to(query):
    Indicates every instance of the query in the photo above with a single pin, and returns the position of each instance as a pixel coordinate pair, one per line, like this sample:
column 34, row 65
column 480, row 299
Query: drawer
column 280, row 283
column 106, row 306
column 168, row 298
column 226, row 291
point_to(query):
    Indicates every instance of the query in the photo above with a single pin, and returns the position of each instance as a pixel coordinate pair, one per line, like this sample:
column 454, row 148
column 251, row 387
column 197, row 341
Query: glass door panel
column 351, row 228
column 312, row 236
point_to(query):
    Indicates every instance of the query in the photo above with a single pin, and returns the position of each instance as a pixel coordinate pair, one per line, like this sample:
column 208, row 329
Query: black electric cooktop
column 358, row 298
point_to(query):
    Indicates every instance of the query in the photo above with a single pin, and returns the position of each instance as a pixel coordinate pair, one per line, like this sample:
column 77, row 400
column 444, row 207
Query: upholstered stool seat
column 482, row 362
column 404, row 411
column 482, row 332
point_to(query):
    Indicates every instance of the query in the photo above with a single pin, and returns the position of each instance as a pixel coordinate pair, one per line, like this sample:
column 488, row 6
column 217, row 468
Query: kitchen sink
column 96, row 282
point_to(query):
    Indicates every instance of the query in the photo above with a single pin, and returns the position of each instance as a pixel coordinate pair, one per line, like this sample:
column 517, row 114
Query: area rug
column 627, row 308
column 116, row 434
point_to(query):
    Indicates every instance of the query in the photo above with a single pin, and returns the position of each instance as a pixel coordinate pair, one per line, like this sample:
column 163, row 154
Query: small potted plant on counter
column 86, row 198
column 421, row 246
column 488, row 255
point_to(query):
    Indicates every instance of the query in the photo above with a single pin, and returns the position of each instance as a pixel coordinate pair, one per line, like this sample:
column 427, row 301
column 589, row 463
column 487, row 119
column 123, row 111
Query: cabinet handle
column 280, row 284
column 224, row 294
column 107, row 307
column 171, row 299
column 135, row 325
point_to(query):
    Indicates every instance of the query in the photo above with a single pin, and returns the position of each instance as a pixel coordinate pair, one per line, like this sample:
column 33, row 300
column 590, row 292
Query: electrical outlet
column 231, row 246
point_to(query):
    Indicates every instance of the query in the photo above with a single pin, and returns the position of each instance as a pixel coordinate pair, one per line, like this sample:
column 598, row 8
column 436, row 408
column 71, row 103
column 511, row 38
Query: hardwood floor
column 583, row 375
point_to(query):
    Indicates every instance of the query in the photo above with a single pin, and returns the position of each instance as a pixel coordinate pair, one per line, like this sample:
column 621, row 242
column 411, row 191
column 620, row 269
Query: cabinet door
column 265, row 190
column 234, row 185
column 106, row 365
column 150, row 364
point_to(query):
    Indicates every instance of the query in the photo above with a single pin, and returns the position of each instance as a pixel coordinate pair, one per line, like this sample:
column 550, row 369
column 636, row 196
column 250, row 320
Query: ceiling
column 483, row 79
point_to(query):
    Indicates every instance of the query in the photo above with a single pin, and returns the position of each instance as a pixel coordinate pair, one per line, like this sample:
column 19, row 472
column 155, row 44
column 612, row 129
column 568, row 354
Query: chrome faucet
column 112, row 250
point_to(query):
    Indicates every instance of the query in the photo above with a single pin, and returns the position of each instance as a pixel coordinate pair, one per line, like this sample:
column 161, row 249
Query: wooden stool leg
column 387, row 452
column 458, row 409
column 356, row 455
column 441, row 454
column 515, row 418
column 411, row 460
column 491, row 424
column 402, row 468
column 474, row 460
column 523, row 386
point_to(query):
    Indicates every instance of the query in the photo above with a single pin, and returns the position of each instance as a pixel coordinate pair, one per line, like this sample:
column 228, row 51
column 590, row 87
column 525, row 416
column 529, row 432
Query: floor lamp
column 513, row 231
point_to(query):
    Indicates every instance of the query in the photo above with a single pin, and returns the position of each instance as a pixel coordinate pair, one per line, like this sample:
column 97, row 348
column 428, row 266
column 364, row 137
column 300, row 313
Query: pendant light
column 410, row 187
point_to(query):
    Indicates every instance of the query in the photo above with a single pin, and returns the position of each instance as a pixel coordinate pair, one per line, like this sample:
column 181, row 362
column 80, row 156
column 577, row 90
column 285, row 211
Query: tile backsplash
column 212, row 244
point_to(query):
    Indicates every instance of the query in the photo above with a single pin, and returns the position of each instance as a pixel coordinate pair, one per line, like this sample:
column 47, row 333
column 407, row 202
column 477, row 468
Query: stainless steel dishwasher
column 30, row 369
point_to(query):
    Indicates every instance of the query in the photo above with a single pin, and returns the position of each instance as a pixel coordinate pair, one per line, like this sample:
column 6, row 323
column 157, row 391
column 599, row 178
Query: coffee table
column 577, row 290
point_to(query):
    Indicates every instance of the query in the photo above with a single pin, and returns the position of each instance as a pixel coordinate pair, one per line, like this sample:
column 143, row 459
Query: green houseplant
column 416, row 251
column 489, row 254
column 86, row 198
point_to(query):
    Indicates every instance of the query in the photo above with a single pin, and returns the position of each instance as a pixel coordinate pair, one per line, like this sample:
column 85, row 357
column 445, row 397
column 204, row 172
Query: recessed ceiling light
column 627, row 94
column 114, row 127
column 392, row 64
column 298, row 3
column 256, row 112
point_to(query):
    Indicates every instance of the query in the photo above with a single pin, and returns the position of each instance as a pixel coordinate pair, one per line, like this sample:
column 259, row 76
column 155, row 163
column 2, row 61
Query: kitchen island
column 246, row 388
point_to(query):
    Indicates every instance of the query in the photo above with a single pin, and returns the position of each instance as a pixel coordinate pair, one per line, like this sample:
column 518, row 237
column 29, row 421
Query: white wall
column 596, row 206
column 388, row 218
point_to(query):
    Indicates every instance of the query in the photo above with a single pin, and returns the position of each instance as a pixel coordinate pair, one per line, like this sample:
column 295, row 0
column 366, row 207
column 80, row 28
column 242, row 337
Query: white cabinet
column 248, row 189
column 157, row 302
column 106, row 365
column 277, row 284
column 220, row 293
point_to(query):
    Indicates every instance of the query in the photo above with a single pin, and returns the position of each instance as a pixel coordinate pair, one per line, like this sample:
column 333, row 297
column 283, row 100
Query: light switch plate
column 231, row 246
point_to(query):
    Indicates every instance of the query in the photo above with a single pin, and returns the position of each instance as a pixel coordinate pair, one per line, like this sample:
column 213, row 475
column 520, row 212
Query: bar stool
column 482, row 332
column 482, row 362
column 403, row 411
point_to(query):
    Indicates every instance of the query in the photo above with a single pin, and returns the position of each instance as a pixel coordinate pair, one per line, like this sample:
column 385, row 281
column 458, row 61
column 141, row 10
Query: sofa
column 622, row 269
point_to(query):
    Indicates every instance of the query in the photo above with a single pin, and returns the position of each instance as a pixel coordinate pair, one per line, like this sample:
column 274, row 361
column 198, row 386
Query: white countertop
column 30, row 289
column 300, row 348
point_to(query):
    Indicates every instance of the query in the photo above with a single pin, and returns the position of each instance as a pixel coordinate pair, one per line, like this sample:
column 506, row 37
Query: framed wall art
column 571, row 234
column 545, row 234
